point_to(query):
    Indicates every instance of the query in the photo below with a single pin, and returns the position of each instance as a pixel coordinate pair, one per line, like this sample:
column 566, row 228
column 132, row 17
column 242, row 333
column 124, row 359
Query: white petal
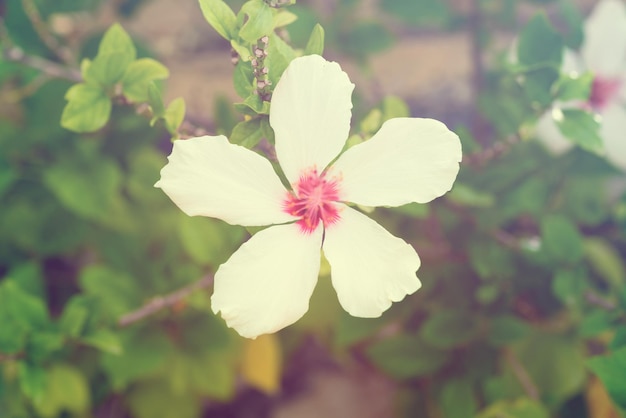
column 208, row 176
column 408, row 160
column 613, row 131
column 267, row 283
column 549, row 134
column 572, row 63
column 370, row 268
column 604, row 46
column 310, row 114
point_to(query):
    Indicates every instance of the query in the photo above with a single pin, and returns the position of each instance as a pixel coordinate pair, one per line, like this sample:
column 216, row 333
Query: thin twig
column 594, row 299
column 30, row 8
column 161, row 302
column 47, row 67
column 522, row 375
column 490, row 153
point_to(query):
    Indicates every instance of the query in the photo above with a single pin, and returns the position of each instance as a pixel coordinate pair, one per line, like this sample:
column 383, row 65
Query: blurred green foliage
column 524, row 293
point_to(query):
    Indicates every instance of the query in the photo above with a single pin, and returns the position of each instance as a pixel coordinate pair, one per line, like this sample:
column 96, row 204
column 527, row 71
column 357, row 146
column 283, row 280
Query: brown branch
column 480, row 158
column 161, row 302
column 594, row 299
column 521, row 374
column 47, row 67
column 10, row 357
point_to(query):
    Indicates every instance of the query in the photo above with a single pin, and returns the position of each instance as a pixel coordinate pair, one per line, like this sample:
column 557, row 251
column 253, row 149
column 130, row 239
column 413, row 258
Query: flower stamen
column 313, row 200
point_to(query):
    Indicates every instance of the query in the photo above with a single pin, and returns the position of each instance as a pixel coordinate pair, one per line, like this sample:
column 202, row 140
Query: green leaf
column 315, row 44
column 155, row 101
column 574, row 87
column 138, row 75
column 104, row 340
column 243, row 51
column 260, row 21
column 457, row 399
column 561, row 240
column 32, row 381
column 7, row 177
column 116, row 39
column 107, row 69
column 26, row 310
column 66, row 389
column 280, row 55
column 395, row 107
column 155, row 398
column 174, row 115
column 247, row 133
column 539, row 43
column 116, row 290
column 448, row 329
column 507, row 329
column 243, row 78
column 142, row 354
column 405, row 356
column 207, row 241
column 606, row 261
column 581, row 128
column 611, row 370
column 371, row 122
column 462, row 194
column 569, row 285
column 88, row 188
column 74, row 318
column 521, row 408
column 594, row 323
column 284, row 18
column 220, row 17
column 88, row 109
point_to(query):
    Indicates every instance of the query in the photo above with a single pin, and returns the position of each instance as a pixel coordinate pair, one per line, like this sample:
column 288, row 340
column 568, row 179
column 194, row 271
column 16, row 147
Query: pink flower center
column 604, row 91
column 312, row 201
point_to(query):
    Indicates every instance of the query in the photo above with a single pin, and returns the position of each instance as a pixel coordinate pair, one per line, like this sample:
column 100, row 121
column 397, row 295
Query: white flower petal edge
column 208, row 176
column 267, row 283
column 605, row 38
column 407, row 160
column 310, row 114
column 370, row 268
column 613, row 131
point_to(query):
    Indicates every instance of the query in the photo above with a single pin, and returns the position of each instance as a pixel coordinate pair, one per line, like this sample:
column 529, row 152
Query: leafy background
column 104, row 296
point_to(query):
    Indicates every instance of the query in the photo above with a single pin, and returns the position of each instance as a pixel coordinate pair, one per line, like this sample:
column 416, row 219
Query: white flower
column 267, row 283
column 603, row 53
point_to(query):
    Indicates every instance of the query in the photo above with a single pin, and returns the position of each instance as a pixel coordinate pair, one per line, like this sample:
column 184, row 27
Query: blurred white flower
column 603, row 53
column 267, row 283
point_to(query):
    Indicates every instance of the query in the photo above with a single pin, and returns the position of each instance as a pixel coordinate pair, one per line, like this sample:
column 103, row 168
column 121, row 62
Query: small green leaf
column 7, row 176
column 594, row 323
column 138, row 75
column 606, row 261
column 457, row 399
column 611, row 370
column 26, row 310
column 66, row 389
column 448, row 329
column 405, row 356
column 117, row 40
column 73, row 319
column 155, row 101
column 521, row 408
column 241, row 50
column 315, row 45
column 260, row 21
column 574, row 87
column 395, row 107
column 569, row 285
column 507, row 329
column 561, row 239
column 88, row 109
column 280, row 55
column 221, row 17
column 284, row 18
column 108, row 68
column 174, row 115
column 104, row 340
column 581, row 128
column 539, row 43
column 87, row 188
column 243, row 78
column 247, row 133
column 371, row 122
column 462, row 194
column 32, row 381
